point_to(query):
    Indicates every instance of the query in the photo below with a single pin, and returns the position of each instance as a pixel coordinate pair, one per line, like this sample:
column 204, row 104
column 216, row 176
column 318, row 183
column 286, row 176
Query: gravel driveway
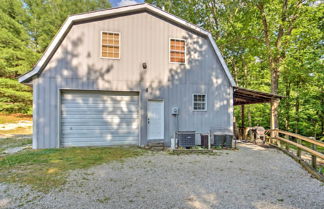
column 252, row 177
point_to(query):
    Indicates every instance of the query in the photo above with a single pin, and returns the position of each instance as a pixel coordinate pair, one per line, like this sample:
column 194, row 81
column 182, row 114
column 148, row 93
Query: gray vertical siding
column 35, row 113
column 144, row 38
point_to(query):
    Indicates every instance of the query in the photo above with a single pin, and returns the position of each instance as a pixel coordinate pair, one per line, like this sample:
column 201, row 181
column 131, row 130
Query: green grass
column 48, row 168
column 104, row 200
column 13, row 142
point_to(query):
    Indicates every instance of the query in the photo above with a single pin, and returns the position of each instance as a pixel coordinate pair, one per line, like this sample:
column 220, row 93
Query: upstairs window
column 177, row 51
column 110, row 45
column 199, row 102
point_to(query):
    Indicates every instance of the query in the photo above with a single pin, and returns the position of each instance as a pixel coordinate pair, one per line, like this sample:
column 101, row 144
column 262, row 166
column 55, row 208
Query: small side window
column 199, row 102
column 177, row 51
column 110, row 45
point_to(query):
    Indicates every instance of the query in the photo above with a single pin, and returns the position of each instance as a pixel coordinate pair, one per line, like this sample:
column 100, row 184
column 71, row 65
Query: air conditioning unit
column 186, row 138
column 219, row 140
column 223, row 140
column 228, row 141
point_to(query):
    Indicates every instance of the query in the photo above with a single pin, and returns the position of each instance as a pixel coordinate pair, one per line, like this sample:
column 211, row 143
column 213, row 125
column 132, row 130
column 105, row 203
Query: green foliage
column 260, row 39
column 27, row 27
column 14, row 97
column 48, row 16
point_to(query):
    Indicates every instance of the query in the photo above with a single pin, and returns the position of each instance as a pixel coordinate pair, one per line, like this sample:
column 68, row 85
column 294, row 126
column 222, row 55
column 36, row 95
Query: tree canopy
column 27, row 27
column 269, row 45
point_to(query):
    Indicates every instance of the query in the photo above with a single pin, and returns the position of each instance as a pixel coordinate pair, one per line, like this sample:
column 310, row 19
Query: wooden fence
column 296, row 140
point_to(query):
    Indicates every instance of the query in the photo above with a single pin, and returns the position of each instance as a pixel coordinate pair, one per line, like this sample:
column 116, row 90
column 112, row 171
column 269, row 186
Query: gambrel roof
column 41, row 64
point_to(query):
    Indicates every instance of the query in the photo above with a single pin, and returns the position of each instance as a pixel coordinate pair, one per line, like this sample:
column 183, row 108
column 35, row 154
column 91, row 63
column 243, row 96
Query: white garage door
column 91, row 118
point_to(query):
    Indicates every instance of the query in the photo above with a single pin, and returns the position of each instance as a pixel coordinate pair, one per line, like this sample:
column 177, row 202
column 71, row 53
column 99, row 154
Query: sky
column 119, row 3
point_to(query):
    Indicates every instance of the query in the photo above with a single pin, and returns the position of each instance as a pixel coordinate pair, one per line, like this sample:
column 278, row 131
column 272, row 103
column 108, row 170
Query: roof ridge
column 50, row 50
column 107, row 9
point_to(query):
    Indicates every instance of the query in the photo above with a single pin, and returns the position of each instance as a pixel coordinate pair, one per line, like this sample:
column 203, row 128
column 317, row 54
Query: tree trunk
column 274, row 79
column 297, row 114
column 287, row 107
column 249, row 116
column 322, row 115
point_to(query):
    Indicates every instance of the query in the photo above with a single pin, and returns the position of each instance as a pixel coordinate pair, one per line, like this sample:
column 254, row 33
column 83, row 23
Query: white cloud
column 126, row 2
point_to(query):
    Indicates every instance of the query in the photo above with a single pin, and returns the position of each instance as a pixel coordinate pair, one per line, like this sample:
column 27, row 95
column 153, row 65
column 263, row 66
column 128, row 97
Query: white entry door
column 155, row 120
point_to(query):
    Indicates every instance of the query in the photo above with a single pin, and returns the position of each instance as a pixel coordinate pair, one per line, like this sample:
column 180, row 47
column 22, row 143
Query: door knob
column 148, row 121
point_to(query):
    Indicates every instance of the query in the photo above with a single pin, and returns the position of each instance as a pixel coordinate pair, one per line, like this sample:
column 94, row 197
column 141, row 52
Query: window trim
column 193, row 102
column 185, row 51
column 111, row 58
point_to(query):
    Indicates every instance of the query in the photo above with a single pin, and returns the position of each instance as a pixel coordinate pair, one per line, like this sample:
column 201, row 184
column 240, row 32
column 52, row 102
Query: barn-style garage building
column 129, row 75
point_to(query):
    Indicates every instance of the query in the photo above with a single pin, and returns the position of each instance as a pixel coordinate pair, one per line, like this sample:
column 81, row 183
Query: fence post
column 242, row 122
column 274, row 135
column 287, row 145
column 314, row 157
column 298, row 149
column 246, row 131
column 278, row 141
column 271, row 140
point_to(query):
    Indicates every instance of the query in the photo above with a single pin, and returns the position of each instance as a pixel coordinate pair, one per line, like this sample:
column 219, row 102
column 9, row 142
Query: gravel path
column 252, row 177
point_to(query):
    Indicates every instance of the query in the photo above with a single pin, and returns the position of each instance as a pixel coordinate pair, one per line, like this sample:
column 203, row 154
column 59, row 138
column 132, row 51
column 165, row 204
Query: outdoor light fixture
column 144, row 65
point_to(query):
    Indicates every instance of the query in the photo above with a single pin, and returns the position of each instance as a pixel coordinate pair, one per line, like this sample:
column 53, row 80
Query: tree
column 16, row 57
column 27, row 27
column 47, row 16
column 269, row 45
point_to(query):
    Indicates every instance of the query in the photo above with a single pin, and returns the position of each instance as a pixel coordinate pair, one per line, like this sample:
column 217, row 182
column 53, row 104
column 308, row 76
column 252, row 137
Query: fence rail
column 274, row 138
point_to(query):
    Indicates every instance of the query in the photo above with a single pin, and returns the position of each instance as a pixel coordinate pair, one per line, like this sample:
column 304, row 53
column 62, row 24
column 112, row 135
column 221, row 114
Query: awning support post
column 242, row 122
column 209, row 139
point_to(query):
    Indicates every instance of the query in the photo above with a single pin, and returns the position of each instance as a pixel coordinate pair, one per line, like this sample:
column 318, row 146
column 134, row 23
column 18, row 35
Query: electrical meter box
column 175, row 111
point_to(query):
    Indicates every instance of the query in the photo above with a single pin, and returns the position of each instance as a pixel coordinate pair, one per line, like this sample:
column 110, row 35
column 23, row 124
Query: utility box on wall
column 175, row 111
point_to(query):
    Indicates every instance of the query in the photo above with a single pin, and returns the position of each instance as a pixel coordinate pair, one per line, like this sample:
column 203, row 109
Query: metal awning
column 244, row 96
